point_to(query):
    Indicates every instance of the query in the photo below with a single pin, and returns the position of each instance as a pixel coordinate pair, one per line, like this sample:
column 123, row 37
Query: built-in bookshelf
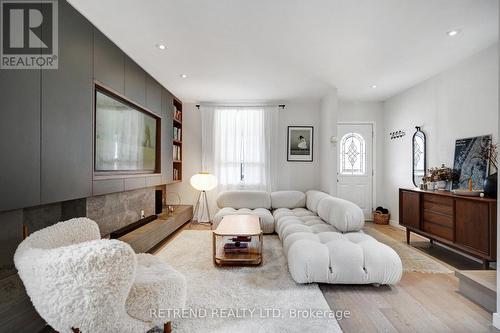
column 177, row 141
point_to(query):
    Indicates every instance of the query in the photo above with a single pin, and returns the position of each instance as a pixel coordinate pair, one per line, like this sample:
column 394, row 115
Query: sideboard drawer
column 438, row 230
column 438, row 208
column 437, row 218
column 438, row 199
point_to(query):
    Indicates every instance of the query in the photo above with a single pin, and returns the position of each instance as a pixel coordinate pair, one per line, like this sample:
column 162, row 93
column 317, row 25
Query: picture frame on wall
column 300, row 143
column 468, row 162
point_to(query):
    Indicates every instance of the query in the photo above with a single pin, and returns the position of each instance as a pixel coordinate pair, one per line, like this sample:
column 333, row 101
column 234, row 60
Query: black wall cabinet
column 67, row 113
column 153, row 95
column 19, row 138
column 46, row 119
column 135, row 82
column 109, row 63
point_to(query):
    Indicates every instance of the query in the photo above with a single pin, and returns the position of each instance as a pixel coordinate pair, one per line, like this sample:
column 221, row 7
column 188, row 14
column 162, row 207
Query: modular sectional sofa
column 322, row 236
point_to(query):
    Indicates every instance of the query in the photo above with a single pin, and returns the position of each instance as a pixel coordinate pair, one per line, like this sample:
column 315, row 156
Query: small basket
column 380, row 218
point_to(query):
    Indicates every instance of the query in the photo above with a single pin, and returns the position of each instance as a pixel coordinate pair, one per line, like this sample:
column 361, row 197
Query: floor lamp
column 203, row 182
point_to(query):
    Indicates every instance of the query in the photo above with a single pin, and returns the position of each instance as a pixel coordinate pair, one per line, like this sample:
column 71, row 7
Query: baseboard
column 396, row 224
column 496, row 320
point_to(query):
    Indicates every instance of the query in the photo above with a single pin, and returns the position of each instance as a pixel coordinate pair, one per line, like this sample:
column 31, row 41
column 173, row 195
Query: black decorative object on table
column 490, row 185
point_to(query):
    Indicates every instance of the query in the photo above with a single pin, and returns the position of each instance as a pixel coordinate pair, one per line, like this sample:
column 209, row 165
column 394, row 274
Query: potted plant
column 490, row 153
column 442, row 176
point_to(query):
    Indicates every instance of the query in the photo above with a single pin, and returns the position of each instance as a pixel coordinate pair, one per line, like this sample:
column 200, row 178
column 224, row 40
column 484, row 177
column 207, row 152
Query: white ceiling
column 290, row 49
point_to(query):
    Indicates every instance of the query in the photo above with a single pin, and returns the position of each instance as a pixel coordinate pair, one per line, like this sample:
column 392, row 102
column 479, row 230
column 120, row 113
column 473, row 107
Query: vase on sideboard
column 490, row 185
column 441, row 185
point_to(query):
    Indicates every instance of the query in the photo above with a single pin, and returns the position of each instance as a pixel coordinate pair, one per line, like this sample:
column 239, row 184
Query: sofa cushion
column 342, row 214
column 288, row 199
column 266, row 218
column 244, row 199
column 313, row 199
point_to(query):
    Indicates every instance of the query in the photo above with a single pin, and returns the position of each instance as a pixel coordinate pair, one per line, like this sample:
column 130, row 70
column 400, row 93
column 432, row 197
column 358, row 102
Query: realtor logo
column 29, row 38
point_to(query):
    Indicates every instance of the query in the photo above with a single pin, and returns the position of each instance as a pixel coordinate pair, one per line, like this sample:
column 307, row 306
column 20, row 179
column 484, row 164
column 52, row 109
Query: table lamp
column 203, row 182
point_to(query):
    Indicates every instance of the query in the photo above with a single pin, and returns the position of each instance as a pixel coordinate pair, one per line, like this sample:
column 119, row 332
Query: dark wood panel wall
column 46, row 119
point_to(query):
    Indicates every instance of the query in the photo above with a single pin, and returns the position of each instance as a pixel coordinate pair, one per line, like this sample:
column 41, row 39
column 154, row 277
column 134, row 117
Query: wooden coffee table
column 231, row 229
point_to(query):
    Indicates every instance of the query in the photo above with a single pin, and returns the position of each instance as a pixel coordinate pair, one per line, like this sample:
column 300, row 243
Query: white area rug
column 413, row 260
column 244, row 299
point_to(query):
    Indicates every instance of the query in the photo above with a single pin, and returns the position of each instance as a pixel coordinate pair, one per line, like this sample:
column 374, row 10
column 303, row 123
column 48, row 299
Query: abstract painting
column 468, row 164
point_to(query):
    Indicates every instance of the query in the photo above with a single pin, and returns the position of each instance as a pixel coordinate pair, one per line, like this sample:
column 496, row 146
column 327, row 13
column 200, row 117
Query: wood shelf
column 177, row 143
column 148, row 237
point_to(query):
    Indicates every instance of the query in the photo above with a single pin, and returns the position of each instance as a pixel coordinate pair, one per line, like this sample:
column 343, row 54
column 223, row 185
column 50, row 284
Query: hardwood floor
column 421, row 302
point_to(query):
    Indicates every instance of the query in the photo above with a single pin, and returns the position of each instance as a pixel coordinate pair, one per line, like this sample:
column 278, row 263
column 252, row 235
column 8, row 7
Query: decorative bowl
column 467, row 193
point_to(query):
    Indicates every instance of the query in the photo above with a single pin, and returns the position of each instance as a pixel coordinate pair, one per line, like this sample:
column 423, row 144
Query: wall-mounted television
column 127, row 137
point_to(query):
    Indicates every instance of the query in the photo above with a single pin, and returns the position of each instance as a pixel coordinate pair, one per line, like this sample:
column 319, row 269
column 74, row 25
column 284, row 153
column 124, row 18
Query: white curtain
column 238, row 146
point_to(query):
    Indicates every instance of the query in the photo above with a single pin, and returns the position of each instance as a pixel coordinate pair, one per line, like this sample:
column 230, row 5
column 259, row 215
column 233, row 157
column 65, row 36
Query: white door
column 355, row 165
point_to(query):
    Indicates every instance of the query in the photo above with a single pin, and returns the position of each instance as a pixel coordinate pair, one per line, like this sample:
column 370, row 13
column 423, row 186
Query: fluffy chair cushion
column 158, row 287
column 77, row 230
column 342, row 214
column 313, row 199
column 266, row 219
column 74, row 279
column 83, row 285
column 288, row 199
column 244, row 199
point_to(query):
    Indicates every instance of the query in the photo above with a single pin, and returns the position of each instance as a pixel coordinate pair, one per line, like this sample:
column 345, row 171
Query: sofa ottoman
column 331, row 248
column 245, row 203
column 333, row 257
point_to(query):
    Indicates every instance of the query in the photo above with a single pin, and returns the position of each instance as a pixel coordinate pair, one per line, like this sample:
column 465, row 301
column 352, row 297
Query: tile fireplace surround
column 111, row 212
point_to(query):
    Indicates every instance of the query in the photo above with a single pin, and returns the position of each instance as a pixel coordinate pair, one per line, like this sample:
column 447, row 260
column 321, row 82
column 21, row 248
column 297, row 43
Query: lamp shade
column 203, row 181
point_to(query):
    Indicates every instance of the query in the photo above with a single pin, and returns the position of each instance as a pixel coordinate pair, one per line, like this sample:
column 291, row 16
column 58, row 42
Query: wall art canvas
column 300, row 143
column 469, row 164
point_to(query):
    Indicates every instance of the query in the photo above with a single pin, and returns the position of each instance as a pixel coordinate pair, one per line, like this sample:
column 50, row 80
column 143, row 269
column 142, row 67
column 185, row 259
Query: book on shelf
column 177, row 114
column 176, row 153
column 177, row 133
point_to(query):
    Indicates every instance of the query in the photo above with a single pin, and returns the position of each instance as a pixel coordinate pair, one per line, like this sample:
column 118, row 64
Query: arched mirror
column 419, row 157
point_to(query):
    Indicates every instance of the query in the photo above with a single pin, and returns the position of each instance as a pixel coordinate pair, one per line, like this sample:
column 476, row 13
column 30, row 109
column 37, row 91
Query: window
column 240, row 147
column 353, row 155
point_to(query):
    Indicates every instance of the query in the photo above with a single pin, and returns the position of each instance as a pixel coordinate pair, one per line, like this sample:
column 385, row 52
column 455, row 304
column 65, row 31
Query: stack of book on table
column 238, row 244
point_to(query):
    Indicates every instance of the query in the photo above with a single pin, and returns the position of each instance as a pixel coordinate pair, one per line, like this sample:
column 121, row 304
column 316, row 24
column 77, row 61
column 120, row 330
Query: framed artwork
column 468, row 162
column 300, row 143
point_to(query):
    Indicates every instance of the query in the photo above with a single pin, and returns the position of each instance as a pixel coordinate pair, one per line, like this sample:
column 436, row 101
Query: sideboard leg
column 407, row 236
column 486, row 264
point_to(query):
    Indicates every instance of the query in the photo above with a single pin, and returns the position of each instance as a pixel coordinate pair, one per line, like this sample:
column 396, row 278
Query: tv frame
column 99, row 87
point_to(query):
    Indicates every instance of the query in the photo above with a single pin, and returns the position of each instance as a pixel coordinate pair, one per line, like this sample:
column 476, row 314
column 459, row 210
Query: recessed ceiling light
column 374, row 86
column 452, row 33
column 161, row 46
column 184, row 76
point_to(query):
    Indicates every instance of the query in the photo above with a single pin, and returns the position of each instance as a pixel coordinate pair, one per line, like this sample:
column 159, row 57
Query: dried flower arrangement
column 442, row 173
column 490, row 153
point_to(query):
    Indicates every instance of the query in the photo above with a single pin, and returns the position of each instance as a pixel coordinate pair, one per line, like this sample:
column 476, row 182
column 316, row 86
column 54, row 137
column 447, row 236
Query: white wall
column 354, row 111
column 328, row 150
column 291, row 175
column 300, row 176
column 458, row 103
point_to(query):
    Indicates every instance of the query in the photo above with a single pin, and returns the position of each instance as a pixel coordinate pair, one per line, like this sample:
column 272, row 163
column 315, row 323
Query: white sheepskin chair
column 81, row 283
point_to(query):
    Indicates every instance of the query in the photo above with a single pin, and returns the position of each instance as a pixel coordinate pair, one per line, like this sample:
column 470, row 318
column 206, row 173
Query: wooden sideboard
column 467, row 224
